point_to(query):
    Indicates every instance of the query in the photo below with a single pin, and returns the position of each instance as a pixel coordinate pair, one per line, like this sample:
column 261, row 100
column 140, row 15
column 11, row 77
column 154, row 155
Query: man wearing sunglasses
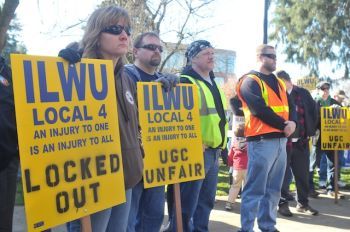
column 269, row 119
column 147, row 205
column 198, row 197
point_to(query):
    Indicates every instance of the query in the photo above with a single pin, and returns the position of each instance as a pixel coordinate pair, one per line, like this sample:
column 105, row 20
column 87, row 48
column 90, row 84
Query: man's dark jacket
column 310, row 111
column 8, row 131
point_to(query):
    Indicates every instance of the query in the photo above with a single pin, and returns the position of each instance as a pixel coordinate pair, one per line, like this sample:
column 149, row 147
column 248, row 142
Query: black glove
column 71, row 55
column 165, row 83
column 168, row 81
column 172, row 78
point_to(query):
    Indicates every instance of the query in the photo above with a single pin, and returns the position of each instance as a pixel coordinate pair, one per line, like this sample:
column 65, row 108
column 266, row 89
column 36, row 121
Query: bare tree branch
column 154, row 15
column 161, row 17
column 7, row 12
column 147, row 16
column 73, row 26
column 181, row 35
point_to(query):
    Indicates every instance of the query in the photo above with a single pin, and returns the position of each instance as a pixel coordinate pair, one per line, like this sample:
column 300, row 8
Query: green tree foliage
column 313, row 31
column 13, row 45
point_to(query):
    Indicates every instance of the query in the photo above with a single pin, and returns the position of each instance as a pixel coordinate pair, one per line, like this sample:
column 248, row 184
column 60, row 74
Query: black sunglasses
column 324, row 88
column 117, row 30
column 152, row 47
column 271, row 56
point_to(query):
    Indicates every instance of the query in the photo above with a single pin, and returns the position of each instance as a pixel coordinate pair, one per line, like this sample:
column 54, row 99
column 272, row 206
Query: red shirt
column 237, row 158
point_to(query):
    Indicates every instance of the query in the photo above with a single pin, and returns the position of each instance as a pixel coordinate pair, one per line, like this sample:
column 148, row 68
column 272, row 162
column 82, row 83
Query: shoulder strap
column 261, row 83
column 132, row 72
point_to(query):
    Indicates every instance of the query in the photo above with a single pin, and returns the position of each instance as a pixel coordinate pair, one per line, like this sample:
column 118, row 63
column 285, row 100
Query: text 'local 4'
column 68, row 135
column 335, row 127
column 171, row 134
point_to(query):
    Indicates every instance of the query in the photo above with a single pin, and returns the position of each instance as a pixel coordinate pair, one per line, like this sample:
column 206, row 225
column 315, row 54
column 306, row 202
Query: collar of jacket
column 190, row 72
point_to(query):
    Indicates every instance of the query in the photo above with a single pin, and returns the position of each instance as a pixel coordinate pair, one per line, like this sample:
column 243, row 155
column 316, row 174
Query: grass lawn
column 223, row 181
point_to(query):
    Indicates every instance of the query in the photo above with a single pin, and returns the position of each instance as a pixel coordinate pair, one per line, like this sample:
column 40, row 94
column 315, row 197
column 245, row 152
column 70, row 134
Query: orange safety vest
column 253, row 125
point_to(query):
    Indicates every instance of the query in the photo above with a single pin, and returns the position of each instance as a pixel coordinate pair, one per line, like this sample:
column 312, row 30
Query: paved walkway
column 333, row 217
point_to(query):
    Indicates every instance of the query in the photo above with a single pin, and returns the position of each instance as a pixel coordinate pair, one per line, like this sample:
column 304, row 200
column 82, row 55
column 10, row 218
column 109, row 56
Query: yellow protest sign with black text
column 171, row 134
column 68, row 137
column 308, row 83
column 335, row 128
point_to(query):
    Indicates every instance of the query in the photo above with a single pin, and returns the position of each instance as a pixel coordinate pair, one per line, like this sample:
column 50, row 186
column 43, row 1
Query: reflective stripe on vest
column 265, row 96
column 204, row 110
column 210, row 118
column 254, row 126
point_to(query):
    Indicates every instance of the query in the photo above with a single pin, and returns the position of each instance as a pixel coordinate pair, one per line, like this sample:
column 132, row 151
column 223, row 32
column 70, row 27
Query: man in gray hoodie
column 147, row 206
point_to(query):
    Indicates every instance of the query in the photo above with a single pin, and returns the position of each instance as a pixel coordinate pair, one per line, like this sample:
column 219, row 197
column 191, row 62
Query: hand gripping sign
column 171, row 134
column 68, row 137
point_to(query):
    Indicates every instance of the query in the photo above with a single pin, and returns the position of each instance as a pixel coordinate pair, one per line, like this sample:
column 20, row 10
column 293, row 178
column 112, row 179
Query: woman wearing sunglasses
column 107, row 36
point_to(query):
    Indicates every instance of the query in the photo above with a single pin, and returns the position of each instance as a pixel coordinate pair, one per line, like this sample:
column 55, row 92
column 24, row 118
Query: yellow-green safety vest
column 209, row 116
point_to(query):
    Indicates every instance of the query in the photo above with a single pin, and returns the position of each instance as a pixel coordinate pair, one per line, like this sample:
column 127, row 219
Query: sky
column 238, row 26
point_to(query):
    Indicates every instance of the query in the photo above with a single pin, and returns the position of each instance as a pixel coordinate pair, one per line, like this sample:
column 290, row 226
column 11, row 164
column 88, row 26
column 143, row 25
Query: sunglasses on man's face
column 117, row 30
column 271, row 56
column 152, row 47
column 325, row 88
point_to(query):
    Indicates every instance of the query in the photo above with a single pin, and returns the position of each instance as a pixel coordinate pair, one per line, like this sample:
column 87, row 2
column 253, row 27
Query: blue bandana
column 196, row 47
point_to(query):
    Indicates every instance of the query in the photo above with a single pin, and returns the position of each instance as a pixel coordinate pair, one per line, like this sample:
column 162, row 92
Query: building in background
column 225, row 66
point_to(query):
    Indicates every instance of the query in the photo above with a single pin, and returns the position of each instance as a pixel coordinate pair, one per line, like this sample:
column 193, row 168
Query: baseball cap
column 322, row 84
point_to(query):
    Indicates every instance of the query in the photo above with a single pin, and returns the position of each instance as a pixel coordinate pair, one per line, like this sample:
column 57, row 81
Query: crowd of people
column 275, row 121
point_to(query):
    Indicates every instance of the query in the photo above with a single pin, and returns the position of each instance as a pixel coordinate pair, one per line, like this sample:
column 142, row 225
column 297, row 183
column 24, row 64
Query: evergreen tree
column 313, row 31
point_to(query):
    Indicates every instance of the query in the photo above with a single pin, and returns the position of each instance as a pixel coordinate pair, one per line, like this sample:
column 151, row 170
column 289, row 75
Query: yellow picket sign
column 171, row 134
column 335, row 128
column 68, row 137
column 308, row 83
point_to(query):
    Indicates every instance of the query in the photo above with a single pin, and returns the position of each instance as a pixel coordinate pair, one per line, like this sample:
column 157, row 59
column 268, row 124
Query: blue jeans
column 198, row 197
column 341, row 155
column 112, row 219
column 325, row 172
column 73, row 226
column 261, row 193
column 147, row 209
column 312, row 158
column 323, row 168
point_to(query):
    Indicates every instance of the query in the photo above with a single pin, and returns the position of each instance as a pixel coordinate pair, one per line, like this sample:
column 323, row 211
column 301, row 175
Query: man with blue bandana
column 198, row 197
